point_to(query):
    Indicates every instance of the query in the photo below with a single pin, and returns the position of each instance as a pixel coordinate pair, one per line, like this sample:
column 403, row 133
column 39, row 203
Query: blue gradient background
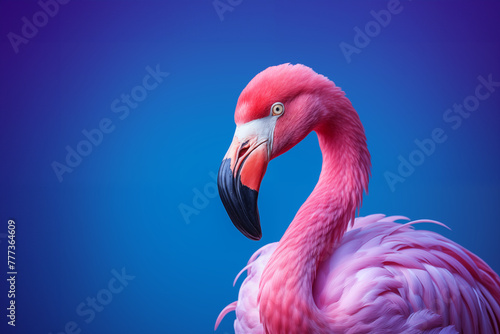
column 120, row 206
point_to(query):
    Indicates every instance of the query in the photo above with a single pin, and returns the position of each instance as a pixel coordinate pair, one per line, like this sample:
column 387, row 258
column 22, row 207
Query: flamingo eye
column 277, row 109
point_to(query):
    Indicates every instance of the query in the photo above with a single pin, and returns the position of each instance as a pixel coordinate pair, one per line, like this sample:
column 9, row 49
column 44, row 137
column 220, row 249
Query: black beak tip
column 240, row 202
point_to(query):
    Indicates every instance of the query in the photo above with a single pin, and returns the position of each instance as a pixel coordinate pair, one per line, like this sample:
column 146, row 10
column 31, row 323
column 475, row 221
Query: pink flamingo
column 331, row 273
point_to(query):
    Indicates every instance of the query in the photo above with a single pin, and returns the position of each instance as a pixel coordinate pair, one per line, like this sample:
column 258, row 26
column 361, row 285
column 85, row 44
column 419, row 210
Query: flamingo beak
column 240, row 175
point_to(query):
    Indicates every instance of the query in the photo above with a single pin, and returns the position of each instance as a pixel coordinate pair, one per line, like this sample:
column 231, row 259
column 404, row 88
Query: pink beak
column 239, row 179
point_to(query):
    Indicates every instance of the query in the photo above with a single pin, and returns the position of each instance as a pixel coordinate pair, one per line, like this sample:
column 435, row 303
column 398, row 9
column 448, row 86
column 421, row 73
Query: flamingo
column 330, row 272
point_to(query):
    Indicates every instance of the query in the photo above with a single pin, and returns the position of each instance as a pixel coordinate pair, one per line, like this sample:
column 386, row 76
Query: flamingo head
column 275, row 111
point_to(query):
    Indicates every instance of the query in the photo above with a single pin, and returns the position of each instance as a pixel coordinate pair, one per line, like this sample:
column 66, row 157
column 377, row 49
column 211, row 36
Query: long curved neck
column 286, row 300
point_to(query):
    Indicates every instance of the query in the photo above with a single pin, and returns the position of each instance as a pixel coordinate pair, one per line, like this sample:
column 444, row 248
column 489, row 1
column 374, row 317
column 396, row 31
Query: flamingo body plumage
column 386, row 277
column 331, row 273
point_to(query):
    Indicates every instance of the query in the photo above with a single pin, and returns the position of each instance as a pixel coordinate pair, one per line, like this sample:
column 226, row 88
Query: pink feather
column 390, row 285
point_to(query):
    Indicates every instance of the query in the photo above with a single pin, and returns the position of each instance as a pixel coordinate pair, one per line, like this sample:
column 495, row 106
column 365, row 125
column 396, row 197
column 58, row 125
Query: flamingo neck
column 286, row 299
